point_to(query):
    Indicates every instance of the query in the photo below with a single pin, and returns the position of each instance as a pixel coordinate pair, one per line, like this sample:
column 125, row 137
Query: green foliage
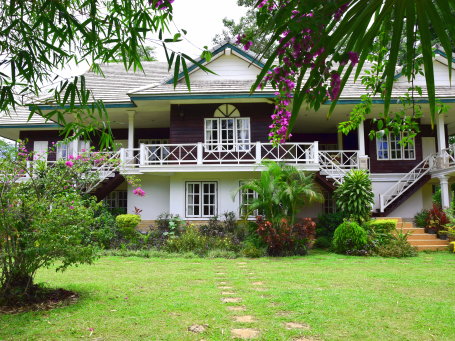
column 127, row 224
column 380, row 232
column 46, row 221
column 349, row 238
column 326, row 226
column 355, row 197
column 169, row 225
column 220, row 253
column 421, row 218
column 415, row 22
column 105, row 228
column 193, row 241
column 437, row 219
column 282, row 190
column 397, row 247
column 250, row 250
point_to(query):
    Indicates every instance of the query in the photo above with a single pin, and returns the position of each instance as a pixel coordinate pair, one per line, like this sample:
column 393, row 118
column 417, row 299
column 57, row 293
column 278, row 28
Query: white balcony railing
column 227, row 154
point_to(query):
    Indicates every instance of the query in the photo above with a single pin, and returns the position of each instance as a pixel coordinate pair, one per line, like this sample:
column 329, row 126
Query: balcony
column 233, row 157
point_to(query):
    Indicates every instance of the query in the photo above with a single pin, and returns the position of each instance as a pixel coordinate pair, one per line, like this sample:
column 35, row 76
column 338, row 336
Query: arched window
column 227, row 131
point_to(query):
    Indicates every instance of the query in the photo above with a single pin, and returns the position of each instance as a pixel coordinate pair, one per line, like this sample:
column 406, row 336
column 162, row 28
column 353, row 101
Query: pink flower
column 71, row 157
column 139, row 192
column 71, row 207
column 69, row 164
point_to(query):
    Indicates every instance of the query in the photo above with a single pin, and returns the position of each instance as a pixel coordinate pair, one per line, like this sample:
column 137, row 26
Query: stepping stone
column 222, row 283
column 244, row 319
column 242, row 263
column 220, row 273
column 237, row 308
column 260, row 289
column 250, row 273
column 245, row 333
column 296, row 325
column 231, row 300
column 227, row 293
column 305, row 338
column 258, row 283
column 197, row 328
column 225, row 287
column 283, row 313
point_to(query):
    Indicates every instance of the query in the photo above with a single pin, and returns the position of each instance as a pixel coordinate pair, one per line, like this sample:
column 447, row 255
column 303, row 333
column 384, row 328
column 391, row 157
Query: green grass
column 340, row 297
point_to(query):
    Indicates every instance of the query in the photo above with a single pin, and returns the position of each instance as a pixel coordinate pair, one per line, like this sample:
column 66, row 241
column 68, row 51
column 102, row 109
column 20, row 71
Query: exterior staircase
column 418, row 238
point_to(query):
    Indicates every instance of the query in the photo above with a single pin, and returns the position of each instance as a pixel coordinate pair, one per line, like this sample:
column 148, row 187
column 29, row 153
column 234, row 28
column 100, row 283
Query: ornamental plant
column 355, row 196
column 46, row 220
column 350, row 238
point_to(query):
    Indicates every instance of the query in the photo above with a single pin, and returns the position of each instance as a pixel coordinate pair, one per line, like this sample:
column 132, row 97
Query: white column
column 131, row 114
column 445, row 199
column 75, row 146
column 441, row 133
column 361, row 139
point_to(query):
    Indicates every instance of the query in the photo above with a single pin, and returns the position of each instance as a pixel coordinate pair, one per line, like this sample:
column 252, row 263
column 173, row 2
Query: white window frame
column 237, row 143
column 114, row 199
column 398, row 149
column 252, row 195
column 201, row 204
column 63, row 150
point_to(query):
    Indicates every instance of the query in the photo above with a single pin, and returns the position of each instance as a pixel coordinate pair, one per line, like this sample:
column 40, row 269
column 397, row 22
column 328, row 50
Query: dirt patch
column 244, row 319
column 260, row 289
column 222, row 283
column 296, row 325
column 227, row 293
column 245, row 333
column 237, row 308
column 258, row 283
column 198, row 328
column 231, row 300
column 242, row 263
column 220, row 273
column 43, row 299
column 224, row 287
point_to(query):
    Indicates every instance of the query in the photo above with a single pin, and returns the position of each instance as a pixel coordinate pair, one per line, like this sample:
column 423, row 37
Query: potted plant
column 451, row 233
column 436, row 220
column 443, row 234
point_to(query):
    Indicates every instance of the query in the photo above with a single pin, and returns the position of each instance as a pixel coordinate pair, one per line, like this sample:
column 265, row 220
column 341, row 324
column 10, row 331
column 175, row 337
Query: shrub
column 169, row 225
column 397, row 247
column 437, row 218
column 380, row 231
column 322, row 242
column 220, row 253
column 252, row 251
column 284, row 239
column 355, row 196
column 105, row 228
column 127, row 224
column 326, row 226
column 421, row 218
column 350, row 238
column 218, row 228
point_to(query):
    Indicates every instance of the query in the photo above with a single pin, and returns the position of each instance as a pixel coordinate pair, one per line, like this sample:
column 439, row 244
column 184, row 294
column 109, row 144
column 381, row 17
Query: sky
column 202, row 19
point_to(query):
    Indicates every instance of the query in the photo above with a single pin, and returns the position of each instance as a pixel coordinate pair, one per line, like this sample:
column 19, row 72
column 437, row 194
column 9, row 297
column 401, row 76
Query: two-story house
column 192, row 149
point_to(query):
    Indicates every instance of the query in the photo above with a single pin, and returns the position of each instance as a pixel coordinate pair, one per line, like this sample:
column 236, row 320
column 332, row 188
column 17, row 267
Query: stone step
column 412, row 230
column 431, row 247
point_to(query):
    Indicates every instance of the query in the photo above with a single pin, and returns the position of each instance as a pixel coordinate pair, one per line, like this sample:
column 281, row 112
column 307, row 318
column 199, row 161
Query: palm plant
column 281, row 191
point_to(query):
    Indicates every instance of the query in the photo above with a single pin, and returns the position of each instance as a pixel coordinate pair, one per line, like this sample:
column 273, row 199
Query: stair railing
column 407, row 181
column 105, row 168
column 330, row 168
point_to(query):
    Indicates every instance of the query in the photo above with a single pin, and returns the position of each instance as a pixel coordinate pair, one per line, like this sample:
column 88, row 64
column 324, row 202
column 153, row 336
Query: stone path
column 233, row 302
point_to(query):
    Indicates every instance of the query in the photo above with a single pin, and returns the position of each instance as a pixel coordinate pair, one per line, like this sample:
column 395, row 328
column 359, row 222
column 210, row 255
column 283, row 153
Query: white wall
column 227, row 67
column 441, row 76
column 156, row 200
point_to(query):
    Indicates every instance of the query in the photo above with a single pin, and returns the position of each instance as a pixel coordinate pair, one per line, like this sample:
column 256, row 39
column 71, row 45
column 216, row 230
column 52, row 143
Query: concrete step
column 434, row 242
column 431, row 247
column 422, row 236
column 412, row 230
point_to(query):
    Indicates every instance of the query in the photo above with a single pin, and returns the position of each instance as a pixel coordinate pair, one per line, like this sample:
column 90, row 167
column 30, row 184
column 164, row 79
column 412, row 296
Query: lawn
column 333, row 297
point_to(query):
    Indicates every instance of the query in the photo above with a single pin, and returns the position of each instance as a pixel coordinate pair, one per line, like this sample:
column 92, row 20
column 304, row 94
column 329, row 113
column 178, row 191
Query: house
column 192, row 150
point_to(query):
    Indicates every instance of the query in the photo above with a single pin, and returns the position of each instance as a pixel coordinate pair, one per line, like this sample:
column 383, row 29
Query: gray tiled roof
column 20, row 116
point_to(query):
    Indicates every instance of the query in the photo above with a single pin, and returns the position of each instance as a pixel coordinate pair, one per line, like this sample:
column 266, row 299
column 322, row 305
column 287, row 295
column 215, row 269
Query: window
column 329, row 202
column 62, row 150
column 388, row 147
column 117, row 201
column 227, row 131
column 201, row 199
column 246, row 197
column 227, row 134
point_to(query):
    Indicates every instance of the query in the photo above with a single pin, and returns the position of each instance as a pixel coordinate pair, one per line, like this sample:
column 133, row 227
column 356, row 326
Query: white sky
column 202, row 19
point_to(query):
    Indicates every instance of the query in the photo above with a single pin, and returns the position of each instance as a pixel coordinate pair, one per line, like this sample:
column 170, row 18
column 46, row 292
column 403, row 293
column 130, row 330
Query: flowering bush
column 46, row 219
column 284, row 239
